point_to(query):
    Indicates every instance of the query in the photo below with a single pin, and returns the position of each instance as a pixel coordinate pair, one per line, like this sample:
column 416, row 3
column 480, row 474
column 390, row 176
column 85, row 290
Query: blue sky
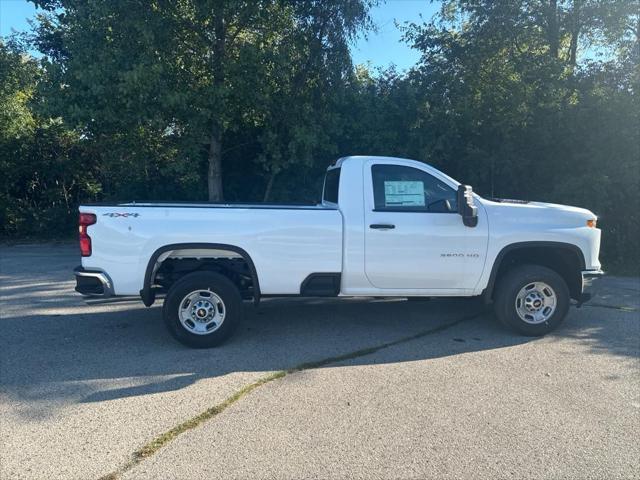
column 385, row 47
column 380, row 49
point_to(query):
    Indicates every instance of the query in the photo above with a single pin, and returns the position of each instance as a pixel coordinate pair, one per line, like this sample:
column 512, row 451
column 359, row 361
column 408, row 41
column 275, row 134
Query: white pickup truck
column 386, row 227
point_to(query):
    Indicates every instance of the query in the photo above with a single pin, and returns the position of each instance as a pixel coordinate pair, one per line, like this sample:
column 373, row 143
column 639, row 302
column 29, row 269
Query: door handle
column 382, row 226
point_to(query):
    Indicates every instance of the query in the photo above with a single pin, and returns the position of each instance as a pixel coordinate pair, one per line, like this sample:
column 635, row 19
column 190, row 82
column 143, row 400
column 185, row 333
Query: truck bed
column 287, row 243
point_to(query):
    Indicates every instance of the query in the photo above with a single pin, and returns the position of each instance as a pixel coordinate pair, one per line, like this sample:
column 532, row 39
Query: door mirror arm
column 440, row 206
column 466, row 207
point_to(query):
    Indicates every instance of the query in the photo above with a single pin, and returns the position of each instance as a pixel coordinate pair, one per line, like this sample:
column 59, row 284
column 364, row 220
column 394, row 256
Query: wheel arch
column 148, row 294
column 550, row 254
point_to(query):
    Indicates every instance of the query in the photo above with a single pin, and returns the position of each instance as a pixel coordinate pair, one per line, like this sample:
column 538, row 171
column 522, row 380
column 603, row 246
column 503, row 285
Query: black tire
column 216, row 283
column 507, row 291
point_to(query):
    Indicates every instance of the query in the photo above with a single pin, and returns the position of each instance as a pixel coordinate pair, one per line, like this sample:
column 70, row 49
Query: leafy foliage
column 251, row 100
column 46, row 168
column 511, row 111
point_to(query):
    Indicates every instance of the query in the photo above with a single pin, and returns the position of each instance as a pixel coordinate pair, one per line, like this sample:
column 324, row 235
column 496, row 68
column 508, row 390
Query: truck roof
column 362, row 158
column 405, row 161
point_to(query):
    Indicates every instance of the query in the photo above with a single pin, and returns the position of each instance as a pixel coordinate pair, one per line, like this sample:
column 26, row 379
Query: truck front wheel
column 532, row 300
column 202, row 309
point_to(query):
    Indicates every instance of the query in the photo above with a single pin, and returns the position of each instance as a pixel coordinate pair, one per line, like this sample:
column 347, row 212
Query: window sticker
column 403, row 194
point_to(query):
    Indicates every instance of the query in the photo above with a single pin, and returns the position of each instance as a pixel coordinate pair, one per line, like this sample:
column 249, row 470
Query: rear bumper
column 589, row 278
column 93, row 283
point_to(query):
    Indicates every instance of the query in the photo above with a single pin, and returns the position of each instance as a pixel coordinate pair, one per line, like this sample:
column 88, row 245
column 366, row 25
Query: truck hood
column 580, row 212
column 550, row 214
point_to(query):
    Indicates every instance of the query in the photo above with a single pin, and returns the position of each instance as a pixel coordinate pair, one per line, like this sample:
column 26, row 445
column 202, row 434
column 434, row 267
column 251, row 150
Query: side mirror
column 466, row 208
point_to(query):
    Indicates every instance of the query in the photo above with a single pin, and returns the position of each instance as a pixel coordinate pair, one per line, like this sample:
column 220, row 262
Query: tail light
column 85, row 220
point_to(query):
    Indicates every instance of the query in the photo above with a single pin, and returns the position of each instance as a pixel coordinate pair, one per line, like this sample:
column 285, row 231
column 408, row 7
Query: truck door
column 412, row 239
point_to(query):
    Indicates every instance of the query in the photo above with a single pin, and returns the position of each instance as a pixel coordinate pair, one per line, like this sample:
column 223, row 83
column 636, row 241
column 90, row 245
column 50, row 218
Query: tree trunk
column 267, row 192
column 214, row 174
column 553, row 32
column 575, row 32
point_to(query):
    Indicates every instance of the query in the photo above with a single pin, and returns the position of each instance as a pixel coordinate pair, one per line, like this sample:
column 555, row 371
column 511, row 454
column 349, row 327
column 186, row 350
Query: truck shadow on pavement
column 102, row 354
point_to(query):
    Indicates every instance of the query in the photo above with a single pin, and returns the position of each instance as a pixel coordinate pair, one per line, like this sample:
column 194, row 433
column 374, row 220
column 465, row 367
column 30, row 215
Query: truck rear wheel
column 532, row 300
column 202, row 309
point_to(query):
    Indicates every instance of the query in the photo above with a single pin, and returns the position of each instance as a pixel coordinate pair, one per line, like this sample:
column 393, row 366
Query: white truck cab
column 385, row 227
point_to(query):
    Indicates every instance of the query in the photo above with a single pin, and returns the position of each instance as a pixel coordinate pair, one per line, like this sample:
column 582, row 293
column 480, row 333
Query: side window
column 331, row 184
column 400, row 188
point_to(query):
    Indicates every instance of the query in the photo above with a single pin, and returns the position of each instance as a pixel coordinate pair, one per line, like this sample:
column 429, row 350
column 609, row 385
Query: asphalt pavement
column 367, row 388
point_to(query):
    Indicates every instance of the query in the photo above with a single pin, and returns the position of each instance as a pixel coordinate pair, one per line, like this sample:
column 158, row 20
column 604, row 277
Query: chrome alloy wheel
column 201, row 312
column 536, row 302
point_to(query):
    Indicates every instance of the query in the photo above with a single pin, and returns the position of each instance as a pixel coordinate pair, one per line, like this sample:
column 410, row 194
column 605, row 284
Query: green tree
column 309, row 70
column 46, row 170
column 513, row 95
column 174, row 99
column 193, row 73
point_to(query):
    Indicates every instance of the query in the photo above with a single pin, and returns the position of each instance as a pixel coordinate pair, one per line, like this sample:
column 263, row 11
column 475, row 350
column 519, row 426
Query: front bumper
column 93, row 283
column 589, row 277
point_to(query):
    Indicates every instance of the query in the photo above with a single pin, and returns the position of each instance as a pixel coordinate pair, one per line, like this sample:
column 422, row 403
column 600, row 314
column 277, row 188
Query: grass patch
column 165, row 438
column 622, row 308
column 39, row 240
column 368, row 351
column 160, row 441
